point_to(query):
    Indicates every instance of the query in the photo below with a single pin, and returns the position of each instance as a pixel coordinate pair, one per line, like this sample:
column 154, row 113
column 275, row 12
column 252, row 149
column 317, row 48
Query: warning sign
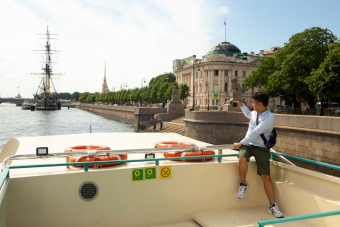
column 165, row 172
column 137, row 174
column 150, row 173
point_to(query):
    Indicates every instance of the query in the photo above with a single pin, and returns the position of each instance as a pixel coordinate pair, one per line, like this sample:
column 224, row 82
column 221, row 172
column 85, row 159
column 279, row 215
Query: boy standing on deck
column 262, row 121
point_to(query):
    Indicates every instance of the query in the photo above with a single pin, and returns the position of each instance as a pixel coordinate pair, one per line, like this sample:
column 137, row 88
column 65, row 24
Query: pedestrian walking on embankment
column 257, row 143
column 160, row 122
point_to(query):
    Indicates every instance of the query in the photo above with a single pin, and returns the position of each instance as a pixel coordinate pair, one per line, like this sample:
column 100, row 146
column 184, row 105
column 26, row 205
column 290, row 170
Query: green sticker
column 137, row 174
column 150, row 173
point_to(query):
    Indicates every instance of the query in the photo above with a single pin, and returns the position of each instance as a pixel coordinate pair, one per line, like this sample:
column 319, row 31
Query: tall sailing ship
column 45, row 98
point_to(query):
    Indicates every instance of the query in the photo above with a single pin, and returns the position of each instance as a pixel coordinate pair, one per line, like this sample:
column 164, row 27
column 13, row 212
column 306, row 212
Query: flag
column 224, row 22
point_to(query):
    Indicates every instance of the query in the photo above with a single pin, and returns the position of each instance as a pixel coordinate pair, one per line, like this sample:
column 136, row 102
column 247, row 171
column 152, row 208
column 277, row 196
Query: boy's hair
column 261, row 97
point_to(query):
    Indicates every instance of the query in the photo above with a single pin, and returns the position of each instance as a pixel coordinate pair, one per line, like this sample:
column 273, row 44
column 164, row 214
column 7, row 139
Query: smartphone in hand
column 234, row 104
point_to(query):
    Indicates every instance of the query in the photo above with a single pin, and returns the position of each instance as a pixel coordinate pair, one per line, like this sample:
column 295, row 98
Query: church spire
column 105, row 87
column 105, row 72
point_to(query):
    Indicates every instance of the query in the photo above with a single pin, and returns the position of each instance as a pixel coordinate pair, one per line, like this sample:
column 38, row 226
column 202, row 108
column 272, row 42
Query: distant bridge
column 16, row 101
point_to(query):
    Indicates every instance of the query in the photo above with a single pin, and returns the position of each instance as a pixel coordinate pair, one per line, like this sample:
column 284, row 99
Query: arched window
column 226, row 87
column 215, row 87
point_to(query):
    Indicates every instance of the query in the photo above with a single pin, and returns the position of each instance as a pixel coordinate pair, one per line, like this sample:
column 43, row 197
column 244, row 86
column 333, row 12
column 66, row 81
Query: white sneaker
column 274, row 210
column 242, row 191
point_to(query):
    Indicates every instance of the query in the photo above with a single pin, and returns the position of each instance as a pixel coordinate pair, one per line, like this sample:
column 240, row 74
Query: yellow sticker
column 165, row 172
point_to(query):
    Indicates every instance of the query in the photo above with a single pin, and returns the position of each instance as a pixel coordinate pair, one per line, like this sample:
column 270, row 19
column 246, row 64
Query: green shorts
column 261, row 155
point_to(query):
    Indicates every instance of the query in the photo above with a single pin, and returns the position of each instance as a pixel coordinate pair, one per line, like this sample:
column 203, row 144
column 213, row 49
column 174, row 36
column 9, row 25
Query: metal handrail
column 298, row 218
column 273, row 153
column 89, row 152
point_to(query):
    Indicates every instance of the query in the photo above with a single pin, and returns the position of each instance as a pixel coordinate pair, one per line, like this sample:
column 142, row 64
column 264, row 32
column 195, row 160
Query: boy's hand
column 239, row 104
column 237, row 145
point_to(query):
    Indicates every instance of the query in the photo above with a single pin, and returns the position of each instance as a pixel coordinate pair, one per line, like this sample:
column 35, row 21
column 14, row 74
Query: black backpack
column 272, row 138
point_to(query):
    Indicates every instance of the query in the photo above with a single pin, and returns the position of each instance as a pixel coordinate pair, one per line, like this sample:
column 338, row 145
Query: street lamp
column 113, row 88
column 193, row 85
column 143, row 81
column 124, row 85
column 329, row 42
column 207, row 84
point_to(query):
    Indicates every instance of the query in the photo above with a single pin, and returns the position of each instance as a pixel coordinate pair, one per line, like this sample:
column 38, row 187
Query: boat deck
column 197, row 194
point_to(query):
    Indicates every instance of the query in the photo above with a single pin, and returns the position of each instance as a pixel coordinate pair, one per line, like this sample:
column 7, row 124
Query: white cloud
column 223, row 10
column 137, row 38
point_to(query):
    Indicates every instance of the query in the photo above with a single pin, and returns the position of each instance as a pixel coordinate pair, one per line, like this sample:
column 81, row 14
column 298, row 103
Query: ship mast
column 48, row 68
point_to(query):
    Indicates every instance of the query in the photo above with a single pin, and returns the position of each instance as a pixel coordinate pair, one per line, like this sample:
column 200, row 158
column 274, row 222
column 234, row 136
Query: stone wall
column 312, row 137
column 128, row 114
column 121, row 113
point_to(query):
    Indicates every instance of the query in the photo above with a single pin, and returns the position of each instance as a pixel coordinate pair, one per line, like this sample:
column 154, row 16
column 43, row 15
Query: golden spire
column 105, row 72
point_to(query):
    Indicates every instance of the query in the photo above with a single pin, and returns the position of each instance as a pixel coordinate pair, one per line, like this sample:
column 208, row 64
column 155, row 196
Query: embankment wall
column 129, row 114
column 312, row 137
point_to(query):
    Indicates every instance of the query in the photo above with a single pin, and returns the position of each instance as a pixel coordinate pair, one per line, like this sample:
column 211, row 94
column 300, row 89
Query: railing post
column 86, row 167
column 7, row 176
column 219, row 159
column 157, row 162
column 272, row 156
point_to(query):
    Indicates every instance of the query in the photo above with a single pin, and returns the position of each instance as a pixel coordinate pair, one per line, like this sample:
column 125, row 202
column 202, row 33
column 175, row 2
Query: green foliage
column 65, row 95
column 325, row 81
column 76, row 95
column 159, row 90
column 286, row 75
column 259, row 78
column 183, row 91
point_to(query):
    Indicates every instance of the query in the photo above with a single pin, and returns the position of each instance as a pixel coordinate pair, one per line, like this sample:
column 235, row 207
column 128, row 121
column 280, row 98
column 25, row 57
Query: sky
column 139, row 38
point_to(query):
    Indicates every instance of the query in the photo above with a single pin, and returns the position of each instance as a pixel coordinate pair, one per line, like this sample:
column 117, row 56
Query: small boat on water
column 26, row 105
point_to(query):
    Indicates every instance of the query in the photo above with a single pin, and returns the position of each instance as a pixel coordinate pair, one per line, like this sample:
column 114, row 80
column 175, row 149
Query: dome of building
column 225, row 48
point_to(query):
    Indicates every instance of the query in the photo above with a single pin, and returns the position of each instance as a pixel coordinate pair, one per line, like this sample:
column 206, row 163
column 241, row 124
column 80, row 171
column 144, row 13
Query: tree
column 293, row 65
column 76, row 95
column 183, row 91
column 325, row 81
column 65, row 95
column 259, row 78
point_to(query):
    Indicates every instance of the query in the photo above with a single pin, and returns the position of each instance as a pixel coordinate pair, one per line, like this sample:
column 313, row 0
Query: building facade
column 213, row 73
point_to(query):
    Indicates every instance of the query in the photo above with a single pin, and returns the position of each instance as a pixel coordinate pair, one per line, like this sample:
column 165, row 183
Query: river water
column 15, row 122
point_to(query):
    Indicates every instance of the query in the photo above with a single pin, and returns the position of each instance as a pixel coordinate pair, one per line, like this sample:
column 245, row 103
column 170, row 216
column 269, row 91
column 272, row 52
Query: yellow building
column 214, row 72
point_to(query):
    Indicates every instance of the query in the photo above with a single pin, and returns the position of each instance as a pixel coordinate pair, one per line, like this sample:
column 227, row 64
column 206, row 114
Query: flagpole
column 225, row 30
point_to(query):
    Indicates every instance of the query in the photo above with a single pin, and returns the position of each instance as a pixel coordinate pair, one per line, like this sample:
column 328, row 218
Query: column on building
column 223, row 81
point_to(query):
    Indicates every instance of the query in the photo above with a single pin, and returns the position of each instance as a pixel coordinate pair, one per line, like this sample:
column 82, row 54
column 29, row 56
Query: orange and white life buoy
column 95, row 158
column 173, row 144
column 190, row 154
column 184, row 154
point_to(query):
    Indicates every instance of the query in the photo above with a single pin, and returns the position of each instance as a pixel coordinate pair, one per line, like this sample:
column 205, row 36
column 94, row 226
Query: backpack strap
column 262, row 136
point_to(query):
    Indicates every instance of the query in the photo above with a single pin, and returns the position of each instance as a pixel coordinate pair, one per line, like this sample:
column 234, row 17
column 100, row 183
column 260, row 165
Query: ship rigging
column 45, row 98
